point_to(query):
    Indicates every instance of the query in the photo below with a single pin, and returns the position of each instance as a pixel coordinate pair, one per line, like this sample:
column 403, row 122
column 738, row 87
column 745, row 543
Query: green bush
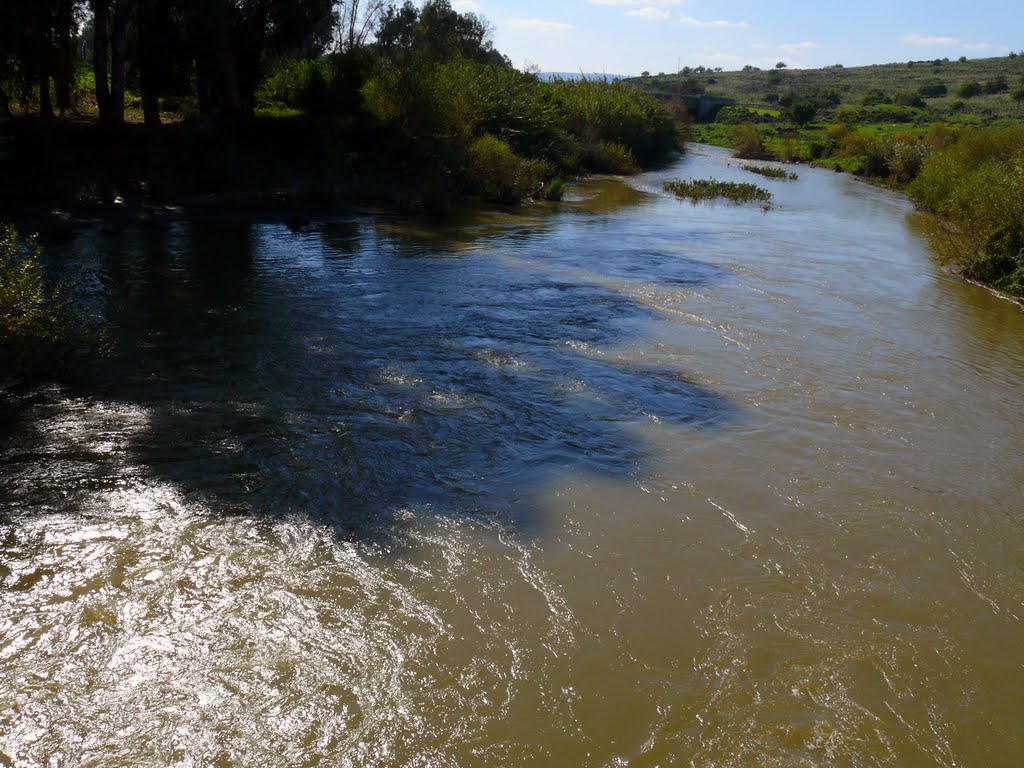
column 976, row 184
column 32, row 314
column 749, row 142
column 891, row 113
column 612, row 157
column 933, row 90
column 697, row 190
column 618, row 113
column 300, row 85
column 908, row 99
column 500, row 175
column 904, row 157
column 969, row 90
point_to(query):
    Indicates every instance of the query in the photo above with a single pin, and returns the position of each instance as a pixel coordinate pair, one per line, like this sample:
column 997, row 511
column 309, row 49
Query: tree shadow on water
column 329, row 374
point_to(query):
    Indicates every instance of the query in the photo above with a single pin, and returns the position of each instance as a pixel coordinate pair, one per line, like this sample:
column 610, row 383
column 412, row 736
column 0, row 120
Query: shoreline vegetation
column 698, row 190
column 948, row 133
column 132, row 114
column 970, row 181
column 403, row 107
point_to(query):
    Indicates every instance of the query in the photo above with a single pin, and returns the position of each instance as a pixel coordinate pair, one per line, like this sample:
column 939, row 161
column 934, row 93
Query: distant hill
column 762, row 88
column 579, row 76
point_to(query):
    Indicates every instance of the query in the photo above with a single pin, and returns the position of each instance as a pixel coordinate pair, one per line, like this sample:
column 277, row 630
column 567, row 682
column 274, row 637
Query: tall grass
column 494, row 127
column 697, row 190
column 33, row 315
column 976, row 186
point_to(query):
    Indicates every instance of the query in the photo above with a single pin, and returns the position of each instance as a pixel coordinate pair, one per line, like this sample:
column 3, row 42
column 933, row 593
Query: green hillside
column 850, row 85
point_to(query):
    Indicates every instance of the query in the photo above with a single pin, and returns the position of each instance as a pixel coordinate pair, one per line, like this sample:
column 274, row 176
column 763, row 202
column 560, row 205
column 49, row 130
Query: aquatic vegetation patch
column 771, row 172
column 697, row 190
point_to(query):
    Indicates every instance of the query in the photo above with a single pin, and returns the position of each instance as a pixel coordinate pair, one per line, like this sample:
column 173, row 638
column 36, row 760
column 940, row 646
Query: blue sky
column 630, row 36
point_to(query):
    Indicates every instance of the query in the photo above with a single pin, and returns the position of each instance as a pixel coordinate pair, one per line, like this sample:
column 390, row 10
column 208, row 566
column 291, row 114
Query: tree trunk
column 64, row 66
column 45, row 104
column 149, row 18
column 150, row 106
column 118, row 54
column 230, row 95
column 101, row 42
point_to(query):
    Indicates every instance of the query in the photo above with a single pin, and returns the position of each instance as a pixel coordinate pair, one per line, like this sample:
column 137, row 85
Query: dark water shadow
column 331, row 375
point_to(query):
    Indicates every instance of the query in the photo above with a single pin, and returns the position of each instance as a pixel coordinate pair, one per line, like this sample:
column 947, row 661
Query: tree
column 228, row 41
column 800, row 113
column 997, row 84
column 908, row 99
column 1018, row 94
column 100, row 47
column 933, row 90
column 357, row 19
column 873, row 97
column 438, row 33
column 969, row 90
column 781, row 65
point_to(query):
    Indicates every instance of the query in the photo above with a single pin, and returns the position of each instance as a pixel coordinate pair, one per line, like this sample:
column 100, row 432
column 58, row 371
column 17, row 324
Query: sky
column 628, row 37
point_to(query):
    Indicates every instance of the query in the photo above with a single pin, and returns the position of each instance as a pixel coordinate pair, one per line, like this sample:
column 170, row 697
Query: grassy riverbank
column 971, row 179
column 477, row 130
column 975, row 186
column 412, row 107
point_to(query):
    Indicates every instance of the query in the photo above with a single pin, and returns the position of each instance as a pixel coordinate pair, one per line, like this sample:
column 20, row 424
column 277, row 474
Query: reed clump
column 771, row 172
column 697, row 190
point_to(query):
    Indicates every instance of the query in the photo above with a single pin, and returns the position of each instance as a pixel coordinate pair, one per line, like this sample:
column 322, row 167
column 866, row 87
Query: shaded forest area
column 157, row 101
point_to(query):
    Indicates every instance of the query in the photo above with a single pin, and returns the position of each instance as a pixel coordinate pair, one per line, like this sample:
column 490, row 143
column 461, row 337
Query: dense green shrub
column 748, row 142
column 976, row 184
column 904, row 157
column 301, row 85
column 873, row 97
column 997, row 85
column 500, row 175
column 969, row 90
column 908, row 99
column 465, row 115
column 933, row 90
column 618, row 113
column 612, row 157
column 739, row 115
column 697, row 190
column 33, row 318
column 886, row 113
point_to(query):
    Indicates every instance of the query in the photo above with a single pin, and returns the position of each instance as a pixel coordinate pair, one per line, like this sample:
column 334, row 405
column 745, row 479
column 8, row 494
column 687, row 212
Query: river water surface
column 621, row 481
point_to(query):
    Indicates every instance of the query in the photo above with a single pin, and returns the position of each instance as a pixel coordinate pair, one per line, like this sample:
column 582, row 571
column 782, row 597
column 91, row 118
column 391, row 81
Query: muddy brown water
column 621, row 481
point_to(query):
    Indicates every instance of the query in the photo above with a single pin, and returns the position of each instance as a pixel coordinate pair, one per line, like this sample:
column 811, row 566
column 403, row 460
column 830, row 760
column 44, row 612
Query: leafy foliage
column 771, row 172
column 976, row 184
column 697, row 190
column 502, row 176
column 33, row 316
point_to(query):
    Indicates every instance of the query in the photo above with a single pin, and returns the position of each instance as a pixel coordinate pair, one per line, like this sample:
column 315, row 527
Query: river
column 621, row 481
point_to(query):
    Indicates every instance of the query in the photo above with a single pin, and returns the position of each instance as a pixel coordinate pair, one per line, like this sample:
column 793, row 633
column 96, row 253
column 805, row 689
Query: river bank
column 971, row 181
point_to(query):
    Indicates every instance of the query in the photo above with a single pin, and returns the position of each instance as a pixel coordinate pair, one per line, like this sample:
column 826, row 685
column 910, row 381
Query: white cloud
column 650, row 12
column 918, row 39
column 760, row 46
column 464, row 6
column 794, row 47
column 943, row 40
column 539, row 25
column 636, row 3
column 714, row 24
column 725, row 58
